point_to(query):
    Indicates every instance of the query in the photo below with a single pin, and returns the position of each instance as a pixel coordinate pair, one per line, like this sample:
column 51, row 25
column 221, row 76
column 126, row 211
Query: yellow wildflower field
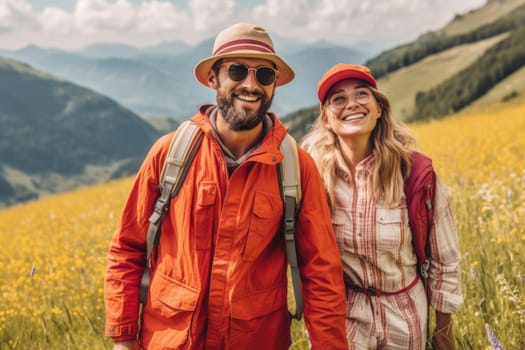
column 481, row 159
column 54, row 250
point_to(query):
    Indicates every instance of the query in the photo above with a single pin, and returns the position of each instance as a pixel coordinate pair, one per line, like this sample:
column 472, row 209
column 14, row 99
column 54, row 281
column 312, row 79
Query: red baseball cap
column 342, row 71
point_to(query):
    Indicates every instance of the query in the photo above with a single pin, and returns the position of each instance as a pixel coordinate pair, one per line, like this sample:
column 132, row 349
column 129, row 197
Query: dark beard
column 243, row 120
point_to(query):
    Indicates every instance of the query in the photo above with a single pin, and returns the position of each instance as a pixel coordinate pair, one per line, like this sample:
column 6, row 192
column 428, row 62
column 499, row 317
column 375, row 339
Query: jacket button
column 274, row 159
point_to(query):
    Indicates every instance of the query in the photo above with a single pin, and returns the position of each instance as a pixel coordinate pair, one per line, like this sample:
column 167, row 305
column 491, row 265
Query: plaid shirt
column 375, row 242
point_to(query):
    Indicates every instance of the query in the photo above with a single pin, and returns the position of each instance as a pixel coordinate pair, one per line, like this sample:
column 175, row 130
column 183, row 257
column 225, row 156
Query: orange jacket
column 219, row 277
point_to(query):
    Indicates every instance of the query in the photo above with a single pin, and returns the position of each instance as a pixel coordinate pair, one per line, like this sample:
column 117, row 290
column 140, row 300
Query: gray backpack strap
column 292, row 195
column 183, row 148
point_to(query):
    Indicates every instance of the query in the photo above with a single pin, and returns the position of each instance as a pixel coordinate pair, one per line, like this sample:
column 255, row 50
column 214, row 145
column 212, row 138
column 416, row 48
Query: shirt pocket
column 265, row 221
column 388, row 227
column 205, row 215
column 170, row 296
column 340, row 224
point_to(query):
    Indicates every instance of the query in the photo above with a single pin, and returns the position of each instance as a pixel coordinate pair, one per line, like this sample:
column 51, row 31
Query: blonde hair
column 392, row 145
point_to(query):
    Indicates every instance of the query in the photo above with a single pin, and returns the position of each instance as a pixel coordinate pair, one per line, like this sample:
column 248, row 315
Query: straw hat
column 342, row 71
column 247, row 41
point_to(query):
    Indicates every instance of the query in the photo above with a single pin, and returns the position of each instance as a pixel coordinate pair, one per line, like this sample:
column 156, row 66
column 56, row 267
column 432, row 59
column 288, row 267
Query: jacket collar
column 268, row 150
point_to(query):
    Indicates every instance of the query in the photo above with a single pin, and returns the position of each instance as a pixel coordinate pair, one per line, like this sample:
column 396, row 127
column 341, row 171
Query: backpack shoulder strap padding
column 181, row 152
column 182, row 144
column 292, row 195
column 291, row 179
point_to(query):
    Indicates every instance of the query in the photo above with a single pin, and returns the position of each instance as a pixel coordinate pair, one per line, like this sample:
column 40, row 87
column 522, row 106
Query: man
column 219, row 276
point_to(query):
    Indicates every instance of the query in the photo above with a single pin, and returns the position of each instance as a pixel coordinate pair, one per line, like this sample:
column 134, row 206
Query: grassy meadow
column 53, row 250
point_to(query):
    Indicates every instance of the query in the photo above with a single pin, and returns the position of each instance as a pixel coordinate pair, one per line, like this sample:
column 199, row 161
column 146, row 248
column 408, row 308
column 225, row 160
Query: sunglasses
column 263, row 74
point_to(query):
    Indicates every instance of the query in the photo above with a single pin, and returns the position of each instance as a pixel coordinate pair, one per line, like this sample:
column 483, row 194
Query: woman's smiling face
column 353, row 109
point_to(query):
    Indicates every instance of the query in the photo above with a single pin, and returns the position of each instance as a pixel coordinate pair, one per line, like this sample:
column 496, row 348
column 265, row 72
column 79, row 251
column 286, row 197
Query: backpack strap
column 290, row 180
column 420, row 192
column 181, row 152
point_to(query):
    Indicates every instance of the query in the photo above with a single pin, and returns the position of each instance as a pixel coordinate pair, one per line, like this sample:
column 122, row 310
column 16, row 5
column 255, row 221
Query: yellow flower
column 56, row 311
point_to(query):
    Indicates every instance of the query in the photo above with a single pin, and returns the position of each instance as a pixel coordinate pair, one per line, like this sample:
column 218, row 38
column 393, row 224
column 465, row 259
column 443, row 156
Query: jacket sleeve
column 127, row 251
column 319, row 263
column 445, row 271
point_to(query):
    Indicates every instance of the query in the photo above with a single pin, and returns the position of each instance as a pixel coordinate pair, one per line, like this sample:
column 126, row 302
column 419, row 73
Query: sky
column 74, row 24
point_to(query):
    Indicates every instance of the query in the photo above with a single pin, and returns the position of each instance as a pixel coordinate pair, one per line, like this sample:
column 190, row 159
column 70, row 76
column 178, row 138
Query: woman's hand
column 443, row 336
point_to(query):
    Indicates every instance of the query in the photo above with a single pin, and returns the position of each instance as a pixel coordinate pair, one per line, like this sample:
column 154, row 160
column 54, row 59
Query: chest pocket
column 205, row 214
column 389, row 223
column 341, row 226
column 265, row 221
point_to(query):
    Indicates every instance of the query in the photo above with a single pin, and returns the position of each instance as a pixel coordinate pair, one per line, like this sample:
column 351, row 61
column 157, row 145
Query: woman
column 364, row 157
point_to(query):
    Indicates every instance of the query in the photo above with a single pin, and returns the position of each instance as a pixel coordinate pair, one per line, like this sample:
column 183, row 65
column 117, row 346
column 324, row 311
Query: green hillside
column 299, row 122
column 511, row 89
column 457, row 92
column 474, row 19
column 435, row 42
column 402, row 85
column 56, row 135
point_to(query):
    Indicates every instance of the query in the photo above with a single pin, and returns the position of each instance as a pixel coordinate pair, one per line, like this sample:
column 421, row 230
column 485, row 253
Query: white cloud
column 288, row 10
column 16, row 14
column 211, row 15
column 55, row 20
column 161, row 17
column 383, row 22
column 95, row 16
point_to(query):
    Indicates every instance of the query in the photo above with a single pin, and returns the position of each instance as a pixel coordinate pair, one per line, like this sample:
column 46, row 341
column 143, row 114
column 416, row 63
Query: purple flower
column 496, row 345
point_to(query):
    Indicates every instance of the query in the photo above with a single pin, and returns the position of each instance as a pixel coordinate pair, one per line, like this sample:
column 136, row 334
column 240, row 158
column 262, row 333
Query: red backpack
column 420, row 191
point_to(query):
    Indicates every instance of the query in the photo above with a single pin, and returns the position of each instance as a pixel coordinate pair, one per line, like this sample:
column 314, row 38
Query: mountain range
column 159, row 80
column 75, row 118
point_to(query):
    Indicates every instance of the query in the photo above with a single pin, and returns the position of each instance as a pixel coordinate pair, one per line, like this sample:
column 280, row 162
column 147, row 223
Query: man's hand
column 443, row 336
column 126, row 345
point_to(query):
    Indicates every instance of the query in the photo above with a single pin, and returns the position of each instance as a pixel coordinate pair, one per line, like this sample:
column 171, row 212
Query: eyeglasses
column 263, row 74
column 340, row 100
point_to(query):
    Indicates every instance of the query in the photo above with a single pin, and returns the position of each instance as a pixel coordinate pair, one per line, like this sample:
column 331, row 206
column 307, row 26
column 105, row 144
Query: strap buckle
column 425, row 268
column 159, row 210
